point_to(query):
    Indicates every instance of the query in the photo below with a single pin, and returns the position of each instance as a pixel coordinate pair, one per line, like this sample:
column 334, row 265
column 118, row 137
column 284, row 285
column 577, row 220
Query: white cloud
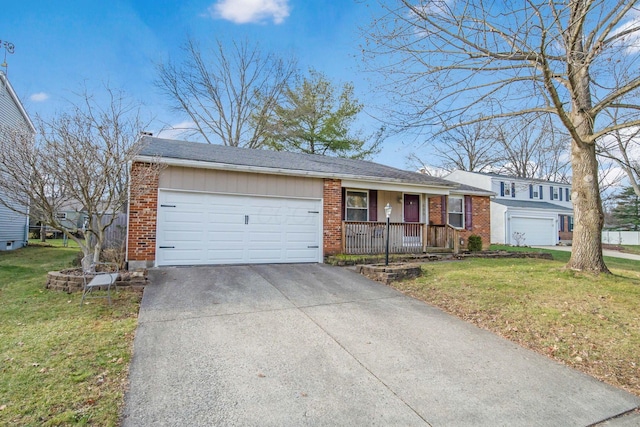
column 178, row 130
column 39, row 97
column 250, row 11
column 630, row 42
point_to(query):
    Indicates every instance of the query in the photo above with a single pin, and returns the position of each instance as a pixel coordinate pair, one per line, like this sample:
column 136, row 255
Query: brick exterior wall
column 480, row 225
column 565, row 235
column 143, row 214
column 332, row 218
column 435, row 210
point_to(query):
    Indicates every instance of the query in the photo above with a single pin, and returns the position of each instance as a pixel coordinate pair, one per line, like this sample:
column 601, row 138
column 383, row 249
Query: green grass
column 632, row 249
column 563, row 256
column 60, row 364
column 588, row 322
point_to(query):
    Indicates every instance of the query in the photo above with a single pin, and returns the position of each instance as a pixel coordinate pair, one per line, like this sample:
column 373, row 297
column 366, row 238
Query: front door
column 411, row 208
column 412, row 215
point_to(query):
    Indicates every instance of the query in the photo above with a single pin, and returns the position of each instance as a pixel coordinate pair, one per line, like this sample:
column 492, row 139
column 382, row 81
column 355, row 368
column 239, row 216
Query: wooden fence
column 116, row 233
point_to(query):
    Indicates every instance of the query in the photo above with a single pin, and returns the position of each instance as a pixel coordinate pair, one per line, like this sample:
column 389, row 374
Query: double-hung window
column 357, row 205
column 456, row 211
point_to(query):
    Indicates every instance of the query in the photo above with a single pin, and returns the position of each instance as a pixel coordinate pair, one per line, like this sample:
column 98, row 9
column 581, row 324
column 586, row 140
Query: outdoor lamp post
column 387, row 212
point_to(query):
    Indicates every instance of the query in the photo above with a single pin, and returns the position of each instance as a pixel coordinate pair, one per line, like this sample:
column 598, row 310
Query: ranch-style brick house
column 212, row 204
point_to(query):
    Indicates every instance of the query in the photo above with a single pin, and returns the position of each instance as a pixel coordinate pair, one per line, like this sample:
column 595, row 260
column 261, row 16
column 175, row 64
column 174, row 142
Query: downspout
column 26, row 231
column 126, row 244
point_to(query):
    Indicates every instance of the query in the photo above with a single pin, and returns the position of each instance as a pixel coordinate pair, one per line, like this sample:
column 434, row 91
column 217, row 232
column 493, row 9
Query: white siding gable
column 13, row 226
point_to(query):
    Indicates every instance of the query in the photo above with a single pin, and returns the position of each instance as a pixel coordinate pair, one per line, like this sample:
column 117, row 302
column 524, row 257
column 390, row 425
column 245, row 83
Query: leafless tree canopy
column 77, row 161
column 470, row 148
column 226, row 92
column 532, row 150
column 455, row 62
column 514, row 147
column 622, row 147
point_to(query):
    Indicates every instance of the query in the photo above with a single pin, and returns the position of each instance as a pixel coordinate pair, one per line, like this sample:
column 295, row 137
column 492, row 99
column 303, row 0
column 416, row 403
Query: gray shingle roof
column 287, row 161
column 531, row 205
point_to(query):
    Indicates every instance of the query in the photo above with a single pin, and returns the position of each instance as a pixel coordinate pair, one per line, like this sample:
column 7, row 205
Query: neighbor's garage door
column 198, row 228
column 537, row 231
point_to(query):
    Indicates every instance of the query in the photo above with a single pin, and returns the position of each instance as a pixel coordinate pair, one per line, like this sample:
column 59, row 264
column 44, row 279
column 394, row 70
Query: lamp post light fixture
column 387, row 212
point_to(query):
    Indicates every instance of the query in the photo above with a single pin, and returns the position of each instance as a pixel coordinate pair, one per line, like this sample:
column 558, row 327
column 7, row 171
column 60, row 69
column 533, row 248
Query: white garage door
column 197, row 228
column 537, row 231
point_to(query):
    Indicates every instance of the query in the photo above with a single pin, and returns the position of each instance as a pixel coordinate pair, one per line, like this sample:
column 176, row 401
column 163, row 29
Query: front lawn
column 60, row 364
column 590, row 323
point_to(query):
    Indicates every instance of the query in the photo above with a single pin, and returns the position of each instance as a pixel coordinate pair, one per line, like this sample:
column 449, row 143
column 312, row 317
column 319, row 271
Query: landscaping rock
column 390, row 273
column 70, row 281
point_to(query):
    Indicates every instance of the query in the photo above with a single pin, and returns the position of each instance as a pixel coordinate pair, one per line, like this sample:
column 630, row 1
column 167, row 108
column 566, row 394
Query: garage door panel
column 184, row 235
column 301, row 255
column 299, row 237
column 183, row 257
column 537, row 231
column 228, row 229
column 266, row 237
column 223, row 256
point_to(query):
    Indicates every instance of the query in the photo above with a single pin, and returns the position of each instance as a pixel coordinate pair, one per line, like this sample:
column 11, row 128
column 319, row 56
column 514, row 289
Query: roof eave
column 16, row 101
column 170, row 161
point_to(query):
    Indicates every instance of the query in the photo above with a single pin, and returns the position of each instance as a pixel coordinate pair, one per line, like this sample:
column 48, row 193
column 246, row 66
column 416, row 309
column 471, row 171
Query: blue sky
column 61, row 46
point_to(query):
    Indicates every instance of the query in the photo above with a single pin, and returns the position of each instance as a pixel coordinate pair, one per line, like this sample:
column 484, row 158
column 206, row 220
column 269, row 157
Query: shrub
column 475, row 243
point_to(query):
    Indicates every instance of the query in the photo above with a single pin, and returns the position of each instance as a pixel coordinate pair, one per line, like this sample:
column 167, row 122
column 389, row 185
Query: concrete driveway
column 289, row 345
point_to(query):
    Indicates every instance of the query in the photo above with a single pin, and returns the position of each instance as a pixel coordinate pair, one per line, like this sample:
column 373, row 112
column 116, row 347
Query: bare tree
column 80, row 159
column 455, row 62
column 227, row 93
column 532, row 149
column 470, row 148
column 622, row 146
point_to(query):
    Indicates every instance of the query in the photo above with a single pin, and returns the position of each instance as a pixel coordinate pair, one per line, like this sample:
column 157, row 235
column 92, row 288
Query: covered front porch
column 413, row 228
column 370, row 237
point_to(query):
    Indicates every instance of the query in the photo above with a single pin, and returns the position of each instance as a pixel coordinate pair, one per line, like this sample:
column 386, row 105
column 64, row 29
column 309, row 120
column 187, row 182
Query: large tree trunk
column 586, row 254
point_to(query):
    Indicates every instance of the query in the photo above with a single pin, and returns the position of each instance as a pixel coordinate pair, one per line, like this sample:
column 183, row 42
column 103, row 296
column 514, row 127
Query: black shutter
column 443, row 209
column 560, row 191
column 373, row 205
column 531, row 191
column 343, row 203
column 468, row 213
column 513, row 189
column 540, row 193
column 502, row 189
column 550, row 192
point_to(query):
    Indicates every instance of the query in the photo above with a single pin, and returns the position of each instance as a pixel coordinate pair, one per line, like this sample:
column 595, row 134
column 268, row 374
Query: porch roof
column 209, row 156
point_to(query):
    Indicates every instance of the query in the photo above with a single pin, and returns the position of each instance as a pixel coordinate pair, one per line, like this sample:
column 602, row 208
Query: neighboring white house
column 524, row 211
column 14, row 227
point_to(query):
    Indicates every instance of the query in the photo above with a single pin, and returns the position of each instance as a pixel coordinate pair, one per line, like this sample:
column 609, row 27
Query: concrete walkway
column 292, row 345
column 605, row 252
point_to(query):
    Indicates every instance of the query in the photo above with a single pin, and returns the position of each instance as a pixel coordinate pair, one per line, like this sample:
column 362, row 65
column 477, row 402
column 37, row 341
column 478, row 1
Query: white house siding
column 13, row 226
column 472, row 179
column 498, row 213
